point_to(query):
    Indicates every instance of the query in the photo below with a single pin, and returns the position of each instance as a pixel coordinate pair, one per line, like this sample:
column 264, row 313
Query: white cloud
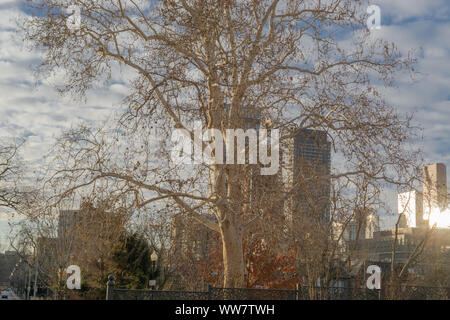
column 33, row 110
column 401, row 10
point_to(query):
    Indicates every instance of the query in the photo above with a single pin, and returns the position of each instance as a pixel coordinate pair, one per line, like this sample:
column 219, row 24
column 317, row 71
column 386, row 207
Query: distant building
column 308, row 167
column 414, row 208
column 48, row 260
column 68, row 219
column 189, row 244
column 372, row 225
column 87, row 233
column 70, row 223
column 364, row 230
column 354, row 231
column 8, row 260
column 410, row 205
column 380, row 247
column 422, row 209
column 434, row 188
column 189, row 238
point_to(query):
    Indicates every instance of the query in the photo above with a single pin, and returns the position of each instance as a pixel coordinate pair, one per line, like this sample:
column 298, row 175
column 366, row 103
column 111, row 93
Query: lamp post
column 154, row 258
column 29, row 282
column 35, row 277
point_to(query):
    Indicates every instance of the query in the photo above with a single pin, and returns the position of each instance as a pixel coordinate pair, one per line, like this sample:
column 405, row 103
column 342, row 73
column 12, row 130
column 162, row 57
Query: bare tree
column 10, row 169
column 427, row 252
column 282, row 62
column 51, row 238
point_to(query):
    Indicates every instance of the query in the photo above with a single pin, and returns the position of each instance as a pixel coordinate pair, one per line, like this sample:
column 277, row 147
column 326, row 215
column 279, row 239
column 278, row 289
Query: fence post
column 110, row 288
column 209, row 291
column 297, row 292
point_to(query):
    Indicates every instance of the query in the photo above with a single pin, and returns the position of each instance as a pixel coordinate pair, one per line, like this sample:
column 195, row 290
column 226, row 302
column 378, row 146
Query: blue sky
column 35, row 111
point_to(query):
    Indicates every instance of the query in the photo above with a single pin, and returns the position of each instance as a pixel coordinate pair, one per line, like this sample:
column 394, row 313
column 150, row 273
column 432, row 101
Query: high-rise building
column 357, row 229
column 89, row 231
column 308, row 167
column 434, row 188
column 419, row 209
column 68, row 222
column 372, row 225
column 262, row 192
column 8, row 260
column 410, row 205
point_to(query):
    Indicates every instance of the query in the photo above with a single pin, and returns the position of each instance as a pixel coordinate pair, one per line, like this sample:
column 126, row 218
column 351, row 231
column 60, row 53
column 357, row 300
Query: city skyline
column 35, row 112
column 210, row 149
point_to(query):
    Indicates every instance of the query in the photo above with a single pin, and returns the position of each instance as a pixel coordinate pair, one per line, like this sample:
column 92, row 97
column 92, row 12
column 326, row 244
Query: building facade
column 308, row 167
column 434, row 188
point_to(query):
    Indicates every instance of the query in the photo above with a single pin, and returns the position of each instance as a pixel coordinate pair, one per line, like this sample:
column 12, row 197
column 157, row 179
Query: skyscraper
column 410, row 206
column 308, row 166
column 89, row 232
column 421, row 209
column 434, row 188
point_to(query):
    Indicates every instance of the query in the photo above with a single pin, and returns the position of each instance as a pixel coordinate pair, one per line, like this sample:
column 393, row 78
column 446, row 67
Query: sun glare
column 440, row 218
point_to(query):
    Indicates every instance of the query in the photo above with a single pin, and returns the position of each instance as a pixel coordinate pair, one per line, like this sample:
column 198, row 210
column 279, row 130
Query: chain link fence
column 301, row 293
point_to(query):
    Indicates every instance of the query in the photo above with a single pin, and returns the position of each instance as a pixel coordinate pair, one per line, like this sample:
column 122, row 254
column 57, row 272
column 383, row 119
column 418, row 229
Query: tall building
column 355, row 230
column 262, row 192
column 434, row 188
column 415, row 207
column 48, row 260
column 379, row 248
column 68, row 222
column 421, row 209
column 410, row 204
column 372, row 225
column 7, row 262
column 308, row 167
column 89, row 231
column 190, row 246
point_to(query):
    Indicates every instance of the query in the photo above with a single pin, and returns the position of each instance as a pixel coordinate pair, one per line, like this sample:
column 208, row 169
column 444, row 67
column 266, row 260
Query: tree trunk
column 233, row 256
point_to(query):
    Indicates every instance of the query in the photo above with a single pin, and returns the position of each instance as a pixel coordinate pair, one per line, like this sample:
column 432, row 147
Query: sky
column 34, row 111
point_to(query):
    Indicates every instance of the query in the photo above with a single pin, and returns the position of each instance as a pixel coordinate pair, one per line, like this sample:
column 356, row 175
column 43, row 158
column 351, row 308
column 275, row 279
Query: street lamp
column 153, row 258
